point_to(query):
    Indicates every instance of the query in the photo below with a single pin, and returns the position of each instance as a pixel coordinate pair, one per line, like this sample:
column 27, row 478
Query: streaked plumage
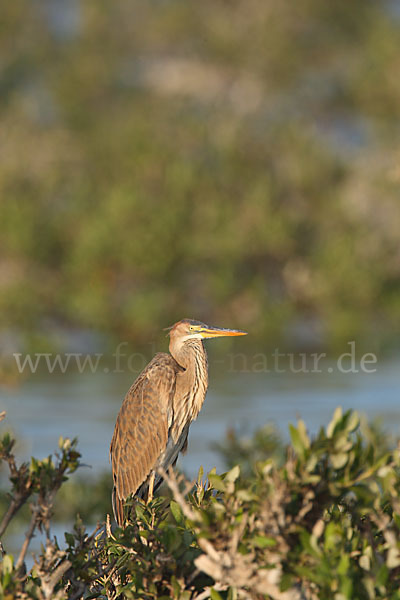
column 153, row 423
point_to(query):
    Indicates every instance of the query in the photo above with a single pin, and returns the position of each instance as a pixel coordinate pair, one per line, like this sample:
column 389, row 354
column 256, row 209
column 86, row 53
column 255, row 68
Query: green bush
column 321, row 521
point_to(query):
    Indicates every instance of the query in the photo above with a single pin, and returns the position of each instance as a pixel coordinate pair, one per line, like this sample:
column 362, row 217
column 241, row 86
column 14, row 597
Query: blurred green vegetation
column 229, row 161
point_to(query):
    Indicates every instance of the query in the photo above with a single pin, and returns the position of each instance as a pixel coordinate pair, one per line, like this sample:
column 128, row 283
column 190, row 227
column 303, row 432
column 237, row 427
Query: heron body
column 153, row 423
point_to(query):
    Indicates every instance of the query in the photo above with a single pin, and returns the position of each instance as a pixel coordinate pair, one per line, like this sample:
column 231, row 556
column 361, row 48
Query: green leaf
column 8, row 562
column 245, row 495
column 353, row 422
column 382, row 575
column 297, row 440
column 217, row 482
column 343, row 443
column 344, row 564
column 365, row 562
column 337, row 416
column 393, row 558
column 177, row 512
column 301, row 428
column 232, row 475
column 339, row 460
column 214, row 595
column 140, row 512
column 261, row 541
column 175, row 586
column 172, row 539
column 232, row 594
column 311, row 463
column 69, row 538
column 200, row 474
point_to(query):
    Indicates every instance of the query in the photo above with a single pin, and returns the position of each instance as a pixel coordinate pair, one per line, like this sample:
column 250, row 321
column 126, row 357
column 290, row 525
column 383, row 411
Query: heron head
column 189, row 329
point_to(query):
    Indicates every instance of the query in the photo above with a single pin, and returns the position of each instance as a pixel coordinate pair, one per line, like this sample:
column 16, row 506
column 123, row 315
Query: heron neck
column 189, row 354
column 192, row 383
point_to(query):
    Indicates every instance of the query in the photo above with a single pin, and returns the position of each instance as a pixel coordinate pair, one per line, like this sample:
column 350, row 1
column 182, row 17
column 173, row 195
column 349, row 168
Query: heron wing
column 141, row 430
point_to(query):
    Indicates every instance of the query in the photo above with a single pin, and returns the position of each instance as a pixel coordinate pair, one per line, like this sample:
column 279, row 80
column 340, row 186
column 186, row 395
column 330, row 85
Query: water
column 85, row 405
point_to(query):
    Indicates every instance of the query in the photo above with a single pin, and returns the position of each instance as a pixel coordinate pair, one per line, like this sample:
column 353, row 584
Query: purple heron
column 153, row 422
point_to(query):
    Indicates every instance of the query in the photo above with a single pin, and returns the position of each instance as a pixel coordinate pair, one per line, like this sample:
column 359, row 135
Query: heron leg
column 151, row 488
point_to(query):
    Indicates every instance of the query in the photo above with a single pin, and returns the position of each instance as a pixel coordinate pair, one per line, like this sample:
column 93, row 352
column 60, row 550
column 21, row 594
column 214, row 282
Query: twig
column 172, row 482
column 108, row 527
column 50, row 583
column 189, row 513
column 28, row 536
column 193, row 575
column 19, row 497
column 11, row 511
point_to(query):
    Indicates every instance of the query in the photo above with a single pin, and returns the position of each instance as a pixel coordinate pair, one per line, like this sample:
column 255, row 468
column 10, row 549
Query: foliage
column 36, row 483
column 230, row 161
column 322, row 523
column 246, row 452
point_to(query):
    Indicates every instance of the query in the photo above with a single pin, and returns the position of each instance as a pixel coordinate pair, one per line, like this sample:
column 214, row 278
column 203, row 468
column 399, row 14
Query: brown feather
column 141, row 430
